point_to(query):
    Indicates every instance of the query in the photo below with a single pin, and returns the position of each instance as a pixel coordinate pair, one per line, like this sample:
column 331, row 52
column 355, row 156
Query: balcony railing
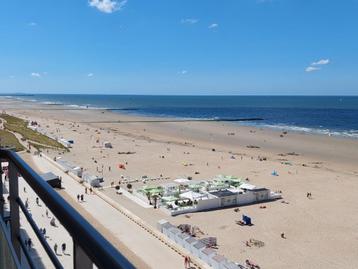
column 89, row 246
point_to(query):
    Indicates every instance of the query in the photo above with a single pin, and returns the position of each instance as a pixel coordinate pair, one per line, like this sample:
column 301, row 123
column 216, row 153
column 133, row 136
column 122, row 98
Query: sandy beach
column 320, row 232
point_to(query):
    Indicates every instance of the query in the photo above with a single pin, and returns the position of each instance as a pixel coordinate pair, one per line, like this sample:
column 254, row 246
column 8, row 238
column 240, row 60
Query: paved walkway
column 151, row 250
column 54, row 235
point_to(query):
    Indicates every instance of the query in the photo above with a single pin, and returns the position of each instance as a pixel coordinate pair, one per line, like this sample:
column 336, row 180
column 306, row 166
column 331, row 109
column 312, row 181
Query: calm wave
column 330, row 115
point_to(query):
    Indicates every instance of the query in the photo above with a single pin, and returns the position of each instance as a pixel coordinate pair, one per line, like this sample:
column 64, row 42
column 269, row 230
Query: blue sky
column 179, row 46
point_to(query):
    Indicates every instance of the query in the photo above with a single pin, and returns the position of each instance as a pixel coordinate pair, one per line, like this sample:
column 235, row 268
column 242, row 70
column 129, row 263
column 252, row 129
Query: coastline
column 309, row 145
column 133, row 105
column 323, row 165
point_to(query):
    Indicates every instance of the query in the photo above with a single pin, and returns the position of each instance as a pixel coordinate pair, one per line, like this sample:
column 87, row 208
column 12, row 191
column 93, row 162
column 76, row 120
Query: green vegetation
column 8, row 139
column 18, row 125
column 38, row 146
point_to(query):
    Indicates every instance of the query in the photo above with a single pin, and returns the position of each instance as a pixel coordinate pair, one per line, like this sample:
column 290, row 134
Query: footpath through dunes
column 19, row 127
column 144, row 249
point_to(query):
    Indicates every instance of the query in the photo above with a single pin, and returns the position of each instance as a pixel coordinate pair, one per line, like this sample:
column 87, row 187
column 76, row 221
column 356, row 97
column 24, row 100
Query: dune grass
column 9, row 140
column 18, row 125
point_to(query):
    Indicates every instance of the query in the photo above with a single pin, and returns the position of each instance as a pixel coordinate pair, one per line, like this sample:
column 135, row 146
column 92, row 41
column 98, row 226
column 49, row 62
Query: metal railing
column 89, row 246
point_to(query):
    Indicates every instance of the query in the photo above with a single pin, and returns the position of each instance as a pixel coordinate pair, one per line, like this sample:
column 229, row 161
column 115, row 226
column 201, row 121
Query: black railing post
column 90, row 247
column 2, row 200
column 14, row 209
column 80, row 259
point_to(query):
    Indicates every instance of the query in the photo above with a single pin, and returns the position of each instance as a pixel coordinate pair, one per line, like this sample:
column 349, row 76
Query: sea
column 330, row 115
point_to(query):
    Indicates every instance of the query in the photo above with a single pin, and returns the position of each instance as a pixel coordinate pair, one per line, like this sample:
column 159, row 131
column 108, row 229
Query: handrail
column 39, row 235
column 96, row 247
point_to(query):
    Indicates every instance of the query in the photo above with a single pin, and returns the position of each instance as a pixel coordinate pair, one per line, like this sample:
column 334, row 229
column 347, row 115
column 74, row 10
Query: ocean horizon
column 330, row 115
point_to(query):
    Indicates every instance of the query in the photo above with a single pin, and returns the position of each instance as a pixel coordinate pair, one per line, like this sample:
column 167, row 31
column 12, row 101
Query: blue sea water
column 332, row 115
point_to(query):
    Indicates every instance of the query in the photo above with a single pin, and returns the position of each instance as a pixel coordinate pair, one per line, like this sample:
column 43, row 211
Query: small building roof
column 247, row 186
column 192, row 195
column 181, row 180
column 259, row 189
column 49, row 176
column 175, row 230
column 190, row 240
column 208, row 251
column 219, row 258
column 183, row 235
column 199, row 245
column 231, row 265
column 223, row 193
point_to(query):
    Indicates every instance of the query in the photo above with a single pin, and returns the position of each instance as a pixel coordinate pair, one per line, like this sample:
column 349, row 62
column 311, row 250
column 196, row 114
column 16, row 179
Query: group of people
column 80, row 197
column 28, row 243
column 63, row 247
column 90, row 190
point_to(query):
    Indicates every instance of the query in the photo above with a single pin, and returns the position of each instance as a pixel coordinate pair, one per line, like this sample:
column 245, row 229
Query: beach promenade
column 150, row 250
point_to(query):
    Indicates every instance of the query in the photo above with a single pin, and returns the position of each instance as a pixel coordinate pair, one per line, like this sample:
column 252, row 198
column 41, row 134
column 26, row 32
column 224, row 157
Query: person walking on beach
column 53, row 222
column 46, row 213
column 78, row 197
column 82, row 198
column 63, row 248
column 55, row 248
column 187, row 262
column 37, row 200
column 86, row 190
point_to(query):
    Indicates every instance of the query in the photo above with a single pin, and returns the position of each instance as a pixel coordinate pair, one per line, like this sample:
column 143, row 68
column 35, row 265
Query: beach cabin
column 206, row 255
column 227, row 197
column 94, row 181
column 197, row 248
column 261, row 194
column 69, row 167
column 77, row 171
column 189, row 243
column 166, row 229
column 181, row 238
column 217, row 261
column 173, row 233
column 231, row 265
column 161, row 224
column 53, row 180
column 32, row 127
column 65, row 143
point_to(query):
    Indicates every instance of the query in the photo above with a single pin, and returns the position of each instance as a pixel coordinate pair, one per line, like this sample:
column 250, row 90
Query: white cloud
column 312, row 69
column 12, row 76
column 213, row 26
column 35, row 74
column 183, row 72
column 315, row 65
column 189, row 21
column 321, row 62
column 107, row 6
column 32, row 24
column 90, row 75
